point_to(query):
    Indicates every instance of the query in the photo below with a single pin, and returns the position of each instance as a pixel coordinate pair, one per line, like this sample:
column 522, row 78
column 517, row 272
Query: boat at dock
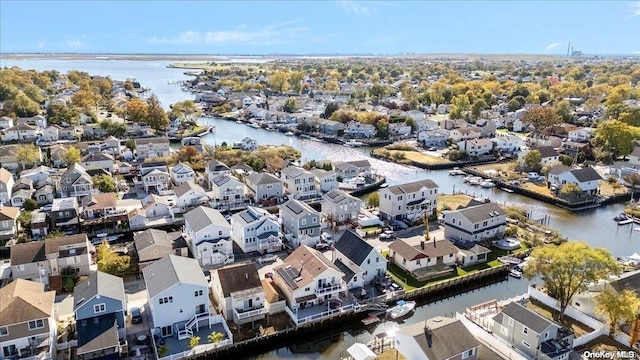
column 487, row 184
column 353, row 143
column 401, row 309
column 289, row 133
column 506, row 190
column 475, row 181
column 370, row 320
column 456, row 171
column 515, row 272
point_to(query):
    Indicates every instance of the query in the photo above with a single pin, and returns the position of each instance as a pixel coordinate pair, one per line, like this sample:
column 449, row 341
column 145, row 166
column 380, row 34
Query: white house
column 399, row 129
column 155, row 177
column 182, row 173
column 264, row 186
column 98, row 160
column 340, row 207
column 255, row 229
column 413, row 258
column 248, row 144
column 507, row 143
column 353, row 251
column 354, row 168
column 408, row 201
column 177, row 293
column 475, row 223
column 238, row 292
column 20, row 132
column 188, row 195
column 359, row 130
column 51, row 133
column 547, row 154
column 476, row 147
column 469, row 133
column 298, row 182
column 325, row 180
column 227, row 192
column 6, row 122
column 437, row 137
column 300, row 223
column 209, row 236
column 586, row 178
column 152, row 147
column 6, row 186
column 582, row 134
column 215, row 168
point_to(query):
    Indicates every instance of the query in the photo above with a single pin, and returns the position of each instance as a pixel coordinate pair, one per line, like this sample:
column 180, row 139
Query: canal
column 593, row 226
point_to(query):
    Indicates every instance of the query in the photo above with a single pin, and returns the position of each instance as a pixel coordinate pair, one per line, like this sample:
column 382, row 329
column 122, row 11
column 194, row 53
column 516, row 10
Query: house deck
column 180, row 346
column 432, row 272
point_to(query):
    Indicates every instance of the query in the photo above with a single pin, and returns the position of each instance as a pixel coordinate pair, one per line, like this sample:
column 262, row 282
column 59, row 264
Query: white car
column 326, row 237
column 269, row 258
column 387, row 235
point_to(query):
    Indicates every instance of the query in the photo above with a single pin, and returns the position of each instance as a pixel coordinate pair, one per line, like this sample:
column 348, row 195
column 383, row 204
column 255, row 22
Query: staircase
column 187, row 332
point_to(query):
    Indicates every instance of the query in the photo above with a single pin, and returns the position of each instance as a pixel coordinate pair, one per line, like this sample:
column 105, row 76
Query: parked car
column 387, row 235
column 326, row 237
column 136, row 315
column 267, row 259
column 322, row 246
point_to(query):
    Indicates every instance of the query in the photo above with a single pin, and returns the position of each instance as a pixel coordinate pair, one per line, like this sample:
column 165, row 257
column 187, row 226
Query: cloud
column 267, row 35
column 74, row 44
column 551, row 47
column 636, row 9
column 352, row 7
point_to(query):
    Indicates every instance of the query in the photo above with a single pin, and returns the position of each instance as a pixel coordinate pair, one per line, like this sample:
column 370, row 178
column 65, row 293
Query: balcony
column 330, row 289
column 250, row 314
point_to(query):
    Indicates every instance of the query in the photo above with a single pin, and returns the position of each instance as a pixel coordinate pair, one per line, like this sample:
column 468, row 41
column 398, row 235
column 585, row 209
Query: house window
column 198, row 293
column 546, row 335
column 307, row 289
column 525, row 330
column 166, row 300
column 36, row 324
column 98, row 308
column 418, row 262
column 20, row 267
column 303, row 222
column 368, row 261
column 4, row 331
column 467, row 354
column 510, row 321
column 526, row 344
column 504, row 330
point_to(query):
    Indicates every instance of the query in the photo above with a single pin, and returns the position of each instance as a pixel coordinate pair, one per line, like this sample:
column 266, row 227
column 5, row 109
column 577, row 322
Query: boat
column 401, row 309
column 506, row 190
column 467, row 178
column 516, row 272
column 487, row 184
column 456, row 171
column 255, row 125
column 353, row 143
column 475, row 181
column 507, row 244
column 208, row 130
column 370, row 320
column 626, row 221
column 289, row 133
column 620, row 217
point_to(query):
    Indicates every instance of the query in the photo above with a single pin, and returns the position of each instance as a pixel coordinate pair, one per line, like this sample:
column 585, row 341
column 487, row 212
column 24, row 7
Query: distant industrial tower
column 569, row 49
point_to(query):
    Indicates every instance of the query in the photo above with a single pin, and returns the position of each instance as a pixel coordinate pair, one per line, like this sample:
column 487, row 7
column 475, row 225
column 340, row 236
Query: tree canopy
column 617, row 306
column 541, row 118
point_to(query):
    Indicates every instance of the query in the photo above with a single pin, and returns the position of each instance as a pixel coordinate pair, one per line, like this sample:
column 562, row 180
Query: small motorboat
column 487, row 184
column 289, row 133
column 516, row 272
column 353, row 143
column 475, row 181
column 370, row 320
column 456, row 171
column 467, row 178
column 625, row 220
column 401, row 309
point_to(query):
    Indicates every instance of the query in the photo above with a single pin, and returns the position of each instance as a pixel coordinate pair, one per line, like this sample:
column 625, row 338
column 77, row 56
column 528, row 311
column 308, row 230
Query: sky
column 319, row 27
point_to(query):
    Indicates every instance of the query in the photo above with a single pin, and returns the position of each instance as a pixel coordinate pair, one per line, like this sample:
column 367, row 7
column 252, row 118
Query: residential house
column 438, row 338
column 573, row 148
column 209, row 236
column 99, row 307
column 75, row 182
column 475, row 223
column 359, row 130
column 408, row 201
column 476, row 147
column 45, row 261
column 471, row 253
column 5, row 122
column 182, row 173
column 531, row 333
column 417, row 116
column 298, row 182
column 436, row 137
column 255, row 229
column 507, row 143
column 487, row 127
column 239, row 294
column 325, row 181
column 581, row 134
column 189, row 195
column 8, row 222
column 98, row 160
column 307, row 278
column 136, row 129
column 51, row 133
column 38, row 121
column 300, row 223
column 9, row 159
column 158, row 207
column 93, row 131
column 21, row 132
column 469, row 133
column 39, row 225
column 64, row 214
column 44, row 195
column 112, row 145
column 19, row 196
column 153, row 244
column 340, row 207
column 39, row 174
column 27, row 324
column 519, row 125
column 399, row 129
column 351, row 169
column 248, row 144
column 547, row 154
column 152, row 147
column 155, row 177
column 418, row 259
column 586, row 178
column 56, row 155
column 215, row 168
column 6, row 186
column 352, row 252
column 264, row 186
column 178, row 296
column 330, row 127
column 227, row 192
column 99, row 206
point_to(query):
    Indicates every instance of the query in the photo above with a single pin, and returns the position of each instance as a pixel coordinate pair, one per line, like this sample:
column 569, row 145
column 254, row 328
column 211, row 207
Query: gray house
column 99, row 309
column 532, row 334
column 154, row 244
column 264, row 186
column 438, row 338
column 76, row 182
column 300, row 223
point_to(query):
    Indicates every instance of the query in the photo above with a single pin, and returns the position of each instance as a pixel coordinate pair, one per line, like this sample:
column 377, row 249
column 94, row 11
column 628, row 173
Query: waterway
column 593, row 226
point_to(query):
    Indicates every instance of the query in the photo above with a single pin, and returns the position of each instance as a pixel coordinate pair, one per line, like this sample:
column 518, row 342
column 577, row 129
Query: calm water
column 594, row 226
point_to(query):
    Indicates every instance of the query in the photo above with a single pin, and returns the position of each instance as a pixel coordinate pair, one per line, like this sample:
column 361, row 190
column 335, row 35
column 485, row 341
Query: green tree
column 278, row 81
column 563, row 110
column 436, row 91
column 330, row 109
column 513, row 105
column 24, row 219
column 295, row 80
column 568, row 268
column 194, row 341
column 110, row 262
column 163, row 350
column 615, row 136
column 113, row 128
column 477, row 108
column 185, row 110
column 215, row 337
column 532, row 160
column 617, row 307
column 27, row 154
column 23, row 106
column 69, row 277
column 71, row 156
column 373, row 200
column 30, row 205
column 541, row 118
column 130, row 144
column 290, row 105
column 156, row 117
column 459, row 105
column 570, row 189
column 105, row 183
column 383, row 129
column 377, row 92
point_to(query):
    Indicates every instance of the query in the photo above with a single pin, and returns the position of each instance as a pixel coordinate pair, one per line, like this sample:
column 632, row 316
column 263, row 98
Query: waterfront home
column 99, row 309
column 264, row 186
column 408, row 201
column 307, row 278
column 531, row 333
column 158, row 209
column 325, row 181
column 215, row 168
column 238, row 292
column 227, row 192
column 98, row 160
column 428, row 124
column 433, row 137
column 21, row 132
column 178, row 296
column 188, row 195
column 5, row 122
column 438, row 338
column 471, row 253
column 475, row 223
column 339, row 207
column 99, row 206
column 44, row 261
column 586, row 301
column 27, row 325
column 153, row 244
column 476, row 147
column 64, row 214
column 8, row 222
column 255, row 229
column 75, row 182
column 154, row 177
column 274, row 300
column 247, row 144
column 182, row 173
column 350, row 169
column 468, row 133
column 399, row 129
column 359, row 130
column 300, row 223
column 426, row 260
column 6, row 186
column 547, row 154
column 353, row 251
column 208, row 235
column 507, row 143
column 330, row 127
column 298, row 182
column 38, row 121
column 586, row 178
column 152, row 147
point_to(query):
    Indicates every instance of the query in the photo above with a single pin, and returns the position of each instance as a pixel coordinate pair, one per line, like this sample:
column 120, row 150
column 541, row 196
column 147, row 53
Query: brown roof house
column 238, row 292
column 426, row 260
column 27, row 323
column 438, row 338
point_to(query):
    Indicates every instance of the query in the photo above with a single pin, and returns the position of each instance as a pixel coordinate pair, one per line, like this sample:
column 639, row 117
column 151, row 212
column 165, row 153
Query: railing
column 248, row 314
column 270, row 245
column 331, row 289
column 184, row 334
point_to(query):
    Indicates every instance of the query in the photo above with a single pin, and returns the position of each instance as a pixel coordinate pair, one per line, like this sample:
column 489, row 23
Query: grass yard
column 607, row 189
column 540, row 188
column 501, row 167
column 391, row 354
column 420, row 157
column 453, row 201
column 602, row 343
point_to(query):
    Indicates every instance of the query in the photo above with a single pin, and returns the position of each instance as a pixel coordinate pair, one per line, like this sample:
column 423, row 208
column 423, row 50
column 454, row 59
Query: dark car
column 136, row 316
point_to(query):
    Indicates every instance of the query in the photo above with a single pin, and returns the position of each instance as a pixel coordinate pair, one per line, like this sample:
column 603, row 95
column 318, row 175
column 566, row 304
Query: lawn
column 420, row 157
column 541, row 188
column 607, row 189
column 453, row 201
column 391, row 354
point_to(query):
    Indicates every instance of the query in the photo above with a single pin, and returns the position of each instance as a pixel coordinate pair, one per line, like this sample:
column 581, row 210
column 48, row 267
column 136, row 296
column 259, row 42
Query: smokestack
column 427, row 334
column 422, row 245
column 569, row 49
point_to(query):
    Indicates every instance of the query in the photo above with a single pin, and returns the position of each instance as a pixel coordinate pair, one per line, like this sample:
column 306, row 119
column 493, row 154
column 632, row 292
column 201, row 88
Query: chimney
column 422, row 245
column 246, row 276
column 434, row 241
column 427, row 334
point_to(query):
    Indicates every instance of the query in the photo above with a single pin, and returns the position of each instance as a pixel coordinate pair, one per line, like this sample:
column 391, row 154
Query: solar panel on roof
column 246, row 216
column 296, row 208
column 289, row 274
